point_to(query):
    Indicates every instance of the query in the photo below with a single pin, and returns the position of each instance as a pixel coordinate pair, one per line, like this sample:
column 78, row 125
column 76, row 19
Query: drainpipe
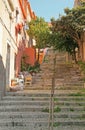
column 11, row 4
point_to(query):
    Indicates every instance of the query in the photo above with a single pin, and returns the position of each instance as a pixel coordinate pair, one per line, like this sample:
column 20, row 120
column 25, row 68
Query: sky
column 50, row 8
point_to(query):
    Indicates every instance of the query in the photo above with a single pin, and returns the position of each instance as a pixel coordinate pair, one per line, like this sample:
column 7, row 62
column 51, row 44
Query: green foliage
column 63, row 43
column 45, row 110
column 55, row 99
column 71, row 24
column 67, row 30
column 39, row 30
column 57, row 109
column 34, row 68
column 71, row 109
column 24, row 65
column 27, row 67
column 82, row 66
column 56, row 124
column 75, row 94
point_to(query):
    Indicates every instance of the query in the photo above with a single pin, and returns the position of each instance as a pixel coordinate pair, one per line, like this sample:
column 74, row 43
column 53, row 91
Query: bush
column 82, row 66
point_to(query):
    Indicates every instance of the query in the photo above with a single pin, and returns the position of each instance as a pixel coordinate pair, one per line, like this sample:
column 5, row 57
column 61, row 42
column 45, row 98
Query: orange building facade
column 22, row 38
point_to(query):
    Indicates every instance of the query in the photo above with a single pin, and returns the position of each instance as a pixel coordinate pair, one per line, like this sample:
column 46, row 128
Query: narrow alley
column 42, row 65
column 38, row 107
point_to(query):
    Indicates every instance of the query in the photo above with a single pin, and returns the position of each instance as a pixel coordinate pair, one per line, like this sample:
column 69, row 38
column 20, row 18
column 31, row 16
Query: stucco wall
column 30, row 53
column 7, row 38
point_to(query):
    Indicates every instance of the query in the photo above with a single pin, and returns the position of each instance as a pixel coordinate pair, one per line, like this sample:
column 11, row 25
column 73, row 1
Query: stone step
column 62, row 108
column 42, row 87
column 57, row 101
column 76, row 115
column 21, row 108
column 44, row 122
column 69, row 98
column 63, row 122
column 77, row 80
column 24, row 102
column 45, row 94
column 41, row 81
column 23, row 115
column 70, row 84
column 67, row 87
column 23, row 99
column 29, row 109
column 67, row 103
column 71, row 115
column 56, row 127
column 60, row 97
column 32, row 127
column 40, row 108
column 28, row 94
column 70, row 80
column 23, row 123
column 48, row 80
column 63, row 84
column 59, row 86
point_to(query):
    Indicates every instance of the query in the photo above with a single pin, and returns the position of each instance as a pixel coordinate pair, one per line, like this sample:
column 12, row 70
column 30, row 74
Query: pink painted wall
column 30, row 53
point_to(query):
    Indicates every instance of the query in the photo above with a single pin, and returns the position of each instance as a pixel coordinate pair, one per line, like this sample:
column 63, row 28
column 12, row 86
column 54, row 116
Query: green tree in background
column 39, row 30
column 69, row 29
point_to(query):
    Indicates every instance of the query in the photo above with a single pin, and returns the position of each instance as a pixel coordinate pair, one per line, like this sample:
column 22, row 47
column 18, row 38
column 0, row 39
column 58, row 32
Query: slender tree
column 71, row 25
column 39, row 30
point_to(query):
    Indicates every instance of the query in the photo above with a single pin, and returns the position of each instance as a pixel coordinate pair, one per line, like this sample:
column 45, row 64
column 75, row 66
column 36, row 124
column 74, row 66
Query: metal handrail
column 51, row 105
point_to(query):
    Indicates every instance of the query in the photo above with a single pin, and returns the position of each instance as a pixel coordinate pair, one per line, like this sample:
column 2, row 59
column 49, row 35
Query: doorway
column 8, row 67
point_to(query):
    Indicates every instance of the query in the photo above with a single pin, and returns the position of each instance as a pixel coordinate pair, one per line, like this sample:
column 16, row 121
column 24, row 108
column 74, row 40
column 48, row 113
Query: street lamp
column 34, row 42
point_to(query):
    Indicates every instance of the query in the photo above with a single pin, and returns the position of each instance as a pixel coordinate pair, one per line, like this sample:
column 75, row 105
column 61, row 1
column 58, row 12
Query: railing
column 51, row 105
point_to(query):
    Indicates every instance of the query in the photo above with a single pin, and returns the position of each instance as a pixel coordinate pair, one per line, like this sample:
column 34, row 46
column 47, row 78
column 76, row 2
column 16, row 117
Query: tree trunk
column 80, row 51
column 74, row 55
column 83, row 47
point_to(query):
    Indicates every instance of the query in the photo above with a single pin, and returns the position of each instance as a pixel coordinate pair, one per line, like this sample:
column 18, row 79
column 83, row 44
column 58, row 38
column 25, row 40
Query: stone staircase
column 29, row 109
column 67, row 75
column 23, row 111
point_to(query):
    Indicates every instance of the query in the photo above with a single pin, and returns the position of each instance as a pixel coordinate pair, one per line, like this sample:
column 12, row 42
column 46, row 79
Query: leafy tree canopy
column 72, row 23
column 67, row 30
column 39, row 30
